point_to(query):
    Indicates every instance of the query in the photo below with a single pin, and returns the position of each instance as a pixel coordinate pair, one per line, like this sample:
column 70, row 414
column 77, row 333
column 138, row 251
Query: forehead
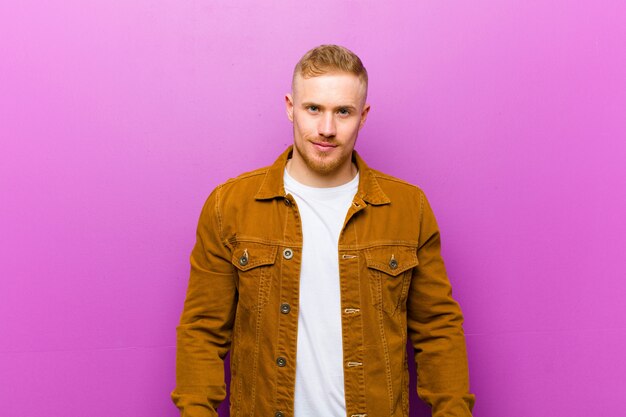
column 334, row 87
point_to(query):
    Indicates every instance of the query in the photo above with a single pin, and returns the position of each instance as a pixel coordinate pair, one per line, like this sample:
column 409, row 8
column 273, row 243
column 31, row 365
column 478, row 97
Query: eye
column 313, row 109
column 344, row 111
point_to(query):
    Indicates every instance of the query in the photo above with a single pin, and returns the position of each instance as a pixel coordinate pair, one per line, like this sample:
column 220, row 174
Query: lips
column 324, row 146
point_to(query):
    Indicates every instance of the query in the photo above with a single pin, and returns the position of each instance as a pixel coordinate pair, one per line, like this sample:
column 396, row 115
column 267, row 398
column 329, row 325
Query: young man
column 314, row 271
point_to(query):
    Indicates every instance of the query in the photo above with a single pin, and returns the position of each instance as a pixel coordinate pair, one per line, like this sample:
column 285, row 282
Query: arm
column 204, row 333
column 435, row 329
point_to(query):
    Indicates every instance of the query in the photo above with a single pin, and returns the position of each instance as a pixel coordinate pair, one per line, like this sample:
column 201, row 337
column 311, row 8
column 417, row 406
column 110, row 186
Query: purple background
column 117, row 118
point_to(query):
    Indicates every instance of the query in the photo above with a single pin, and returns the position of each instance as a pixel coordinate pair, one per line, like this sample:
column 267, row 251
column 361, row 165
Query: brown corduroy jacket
column 243, row 298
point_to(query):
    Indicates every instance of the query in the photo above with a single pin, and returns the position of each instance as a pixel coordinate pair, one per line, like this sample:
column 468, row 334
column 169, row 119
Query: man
column 314, row 271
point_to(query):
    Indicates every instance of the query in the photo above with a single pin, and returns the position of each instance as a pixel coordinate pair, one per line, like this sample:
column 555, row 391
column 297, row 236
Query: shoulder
column 246, row 178
column 393, row 185
column 243, row 185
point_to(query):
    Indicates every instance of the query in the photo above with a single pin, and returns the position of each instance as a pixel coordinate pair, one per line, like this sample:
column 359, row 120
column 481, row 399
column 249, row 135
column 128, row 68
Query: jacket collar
column 273, row 186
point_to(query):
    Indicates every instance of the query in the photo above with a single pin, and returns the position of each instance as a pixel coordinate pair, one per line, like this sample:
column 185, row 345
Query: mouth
column 324, row 146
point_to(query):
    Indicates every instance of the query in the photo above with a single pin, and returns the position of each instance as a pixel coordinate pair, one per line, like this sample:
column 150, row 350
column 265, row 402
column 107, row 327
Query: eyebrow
column 347, row 106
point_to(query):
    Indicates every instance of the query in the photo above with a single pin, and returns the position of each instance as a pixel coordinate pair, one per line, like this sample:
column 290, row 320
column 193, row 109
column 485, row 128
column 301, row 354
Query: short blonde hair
column 330, row 58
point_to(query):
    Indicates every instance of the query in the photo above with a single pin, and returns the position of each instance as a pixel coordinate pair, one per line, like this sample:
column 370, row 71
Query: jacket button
column 288, row 253
column 393, row 264
column 279, row 414
column 285, row 308
column 288, row 204
column 281, row 361
column 243, row 261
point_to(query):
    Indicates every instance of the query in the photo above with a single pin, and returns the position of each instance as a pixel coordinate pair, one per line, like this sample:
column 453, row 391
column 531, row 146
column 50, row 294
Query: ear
column 289, row 106
column 364, row 113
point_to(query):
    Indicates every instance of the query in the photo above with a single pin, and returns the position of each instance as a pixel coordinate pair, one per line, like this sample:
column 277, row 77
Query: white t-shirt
column 319, row 387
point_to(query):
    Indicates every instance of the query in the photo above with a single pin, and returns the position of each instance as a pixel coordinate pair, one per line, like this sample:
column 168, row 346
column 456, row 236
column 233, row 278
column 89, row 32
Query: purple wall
column 117, row 118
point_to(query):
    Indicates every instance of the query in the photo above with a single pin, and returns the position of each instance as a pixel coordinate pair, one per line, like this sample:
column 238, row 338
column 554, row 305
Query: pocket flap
column 392, row 260
column 248, row 255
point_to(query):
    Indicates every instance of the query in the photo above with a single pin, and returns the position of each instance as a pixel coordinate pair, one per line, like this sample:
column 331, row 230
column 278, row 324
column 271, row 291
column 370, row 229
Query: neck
column 313, row 179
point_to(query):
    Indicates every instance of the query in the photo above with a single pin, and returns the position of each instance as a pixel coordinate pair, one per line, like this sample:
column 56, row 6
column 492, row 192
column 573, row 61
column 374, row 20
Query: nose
column 326, row 126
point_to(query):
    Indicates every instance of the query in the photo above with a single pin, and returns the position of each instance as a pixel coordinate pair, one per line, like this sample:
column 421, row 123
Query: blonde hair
column 330, row 58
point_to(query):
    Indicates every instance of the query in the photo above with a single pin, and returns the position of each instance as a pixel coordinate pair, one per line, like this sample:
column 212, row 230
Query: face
column 327, row 113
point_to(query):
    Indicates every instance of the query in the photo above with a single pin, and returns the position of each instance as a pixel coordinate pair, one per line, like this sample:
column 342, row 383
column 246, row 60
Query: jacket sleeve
column 435, row 329
column 204, row 333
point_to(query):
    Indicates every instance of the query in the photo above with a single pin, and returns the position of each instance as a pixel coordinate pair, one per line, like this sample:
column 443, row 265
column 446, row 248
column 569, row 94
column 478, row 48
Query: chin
column 325, row 166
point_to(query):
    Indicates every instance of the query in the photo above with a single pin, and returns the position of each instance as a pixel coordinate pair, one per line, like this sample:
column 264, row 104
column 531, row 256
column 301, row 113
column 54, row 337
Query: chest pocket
column 390, row 269
column 254, row 262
